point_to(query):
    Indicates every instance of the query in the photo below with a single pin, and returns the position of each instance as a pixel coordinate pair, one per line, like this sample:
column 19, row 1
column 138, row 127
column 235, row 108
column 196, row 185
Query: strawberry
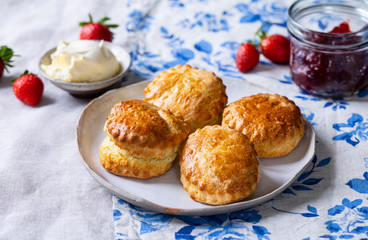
column 5, row 59
column 276, row 48
column 97, row 31
column 28, row 88
column 247, row 57
column 342, row 28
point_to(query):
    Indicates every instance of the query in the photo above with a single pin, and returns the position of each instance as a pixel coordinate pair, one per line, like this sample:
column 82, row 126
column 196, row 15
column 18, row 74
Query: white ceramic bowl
column 96, row 88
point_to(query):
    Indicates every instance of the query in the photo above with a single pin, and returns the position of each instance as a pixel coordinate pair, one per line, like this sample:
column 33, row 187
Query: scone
column 272, row 122
column 196, row 95
column 142, row 140
column 219, row 165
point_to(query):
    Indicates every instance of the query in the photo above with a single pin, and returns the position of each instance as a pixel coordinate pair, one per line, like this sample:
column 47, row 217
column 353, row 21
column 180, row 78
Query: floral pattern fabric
column 328, row 201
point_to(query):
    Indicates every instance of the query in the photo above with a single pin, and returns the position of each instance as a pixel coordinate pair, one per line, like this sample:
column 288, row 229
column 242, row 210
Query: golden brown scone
column 121, row 162
column 196, row 95
column 219, row 165
column 272, row 122
column 144, row 129
column 143, row 140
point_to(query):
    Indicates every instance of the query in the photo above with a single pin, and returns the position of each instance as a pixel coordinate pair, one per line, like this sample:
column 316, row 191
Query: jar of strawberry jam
column 329, row 46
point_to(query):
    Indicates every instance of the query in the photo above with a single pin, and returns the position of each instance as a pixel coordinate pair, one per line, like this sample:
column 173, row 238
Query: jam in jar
column 329, row 46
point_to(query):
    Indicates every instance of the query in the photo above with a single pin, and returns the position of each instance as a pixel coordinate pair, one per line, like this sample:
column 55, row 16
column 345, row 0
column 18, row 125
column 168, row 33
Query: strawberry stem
column 112, row 25
column 85, row 23
column 6, row 55
column 104, row 19
column 101, row 21
column 261, row 34
column 25, row 73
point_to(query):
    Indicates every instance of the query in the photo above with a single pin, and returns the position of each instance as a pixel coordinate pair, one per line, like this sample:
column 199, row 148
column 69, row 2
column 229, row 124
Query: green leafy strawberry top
column 101, row 21
column 6, row 55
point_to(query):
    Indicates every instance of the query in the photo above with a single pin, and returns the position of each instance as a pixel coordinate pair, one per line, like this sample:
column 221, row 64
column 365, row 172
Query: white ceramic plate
column 165, row 193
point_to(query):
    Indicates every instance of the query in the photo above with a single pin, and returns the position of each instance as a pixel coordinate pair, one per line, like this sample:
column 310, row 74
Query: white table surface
column 45, row 191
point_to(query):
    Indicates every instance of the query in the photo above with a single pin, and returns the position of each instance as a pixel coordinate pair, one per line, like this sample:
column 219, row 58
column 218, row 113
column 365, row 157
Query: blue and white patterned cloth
column 45, row 191
column 328, row 201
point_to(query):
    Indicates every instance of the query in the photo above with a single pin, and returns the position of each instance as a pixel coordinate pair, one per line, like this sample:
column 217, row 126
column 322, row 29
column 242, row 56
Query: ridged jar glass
column 323, row 63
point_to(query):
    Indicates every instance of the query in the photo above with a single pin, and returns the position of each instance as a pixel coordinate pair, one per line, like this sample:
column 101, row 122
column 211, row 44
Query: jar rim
column 296, row 29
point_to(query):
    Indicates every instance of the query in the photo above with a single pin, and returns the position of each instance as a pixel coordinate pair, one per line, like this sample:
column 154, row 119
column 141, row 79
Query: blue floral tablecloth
column 328, row 201
column 45, row 190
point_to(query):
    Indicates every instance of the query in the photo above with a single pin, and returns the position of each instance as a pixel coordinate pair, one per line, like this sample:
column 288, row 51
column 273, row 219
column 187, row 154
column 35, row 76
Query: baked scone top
column 270, row 121
column 194, row 94
column 144, row 129
column 219, row 165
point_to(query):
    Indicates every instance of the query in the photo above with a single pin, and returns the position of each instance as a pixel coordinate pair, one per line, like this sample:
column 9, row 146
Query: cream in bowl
column 82, row 61
column 85, row 67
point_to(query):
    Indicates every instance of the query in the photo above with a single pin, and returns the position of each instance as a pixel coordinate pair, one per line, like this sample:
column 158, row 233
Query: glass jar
column 324, row 63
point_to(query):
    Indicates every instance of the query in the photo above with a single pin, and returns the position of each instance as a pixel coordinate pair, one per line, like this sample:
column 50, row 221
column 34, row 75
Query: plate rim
column 220, row 209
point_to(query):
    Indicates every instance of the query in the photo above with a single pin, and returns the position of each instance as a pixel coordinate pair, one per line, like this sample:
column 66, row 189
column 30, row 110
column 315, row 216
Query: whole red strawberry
column 96, row 31
column 247, row 57
column 342, row 28
column 5, row 59
column 28, row 88
column 276, row 48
